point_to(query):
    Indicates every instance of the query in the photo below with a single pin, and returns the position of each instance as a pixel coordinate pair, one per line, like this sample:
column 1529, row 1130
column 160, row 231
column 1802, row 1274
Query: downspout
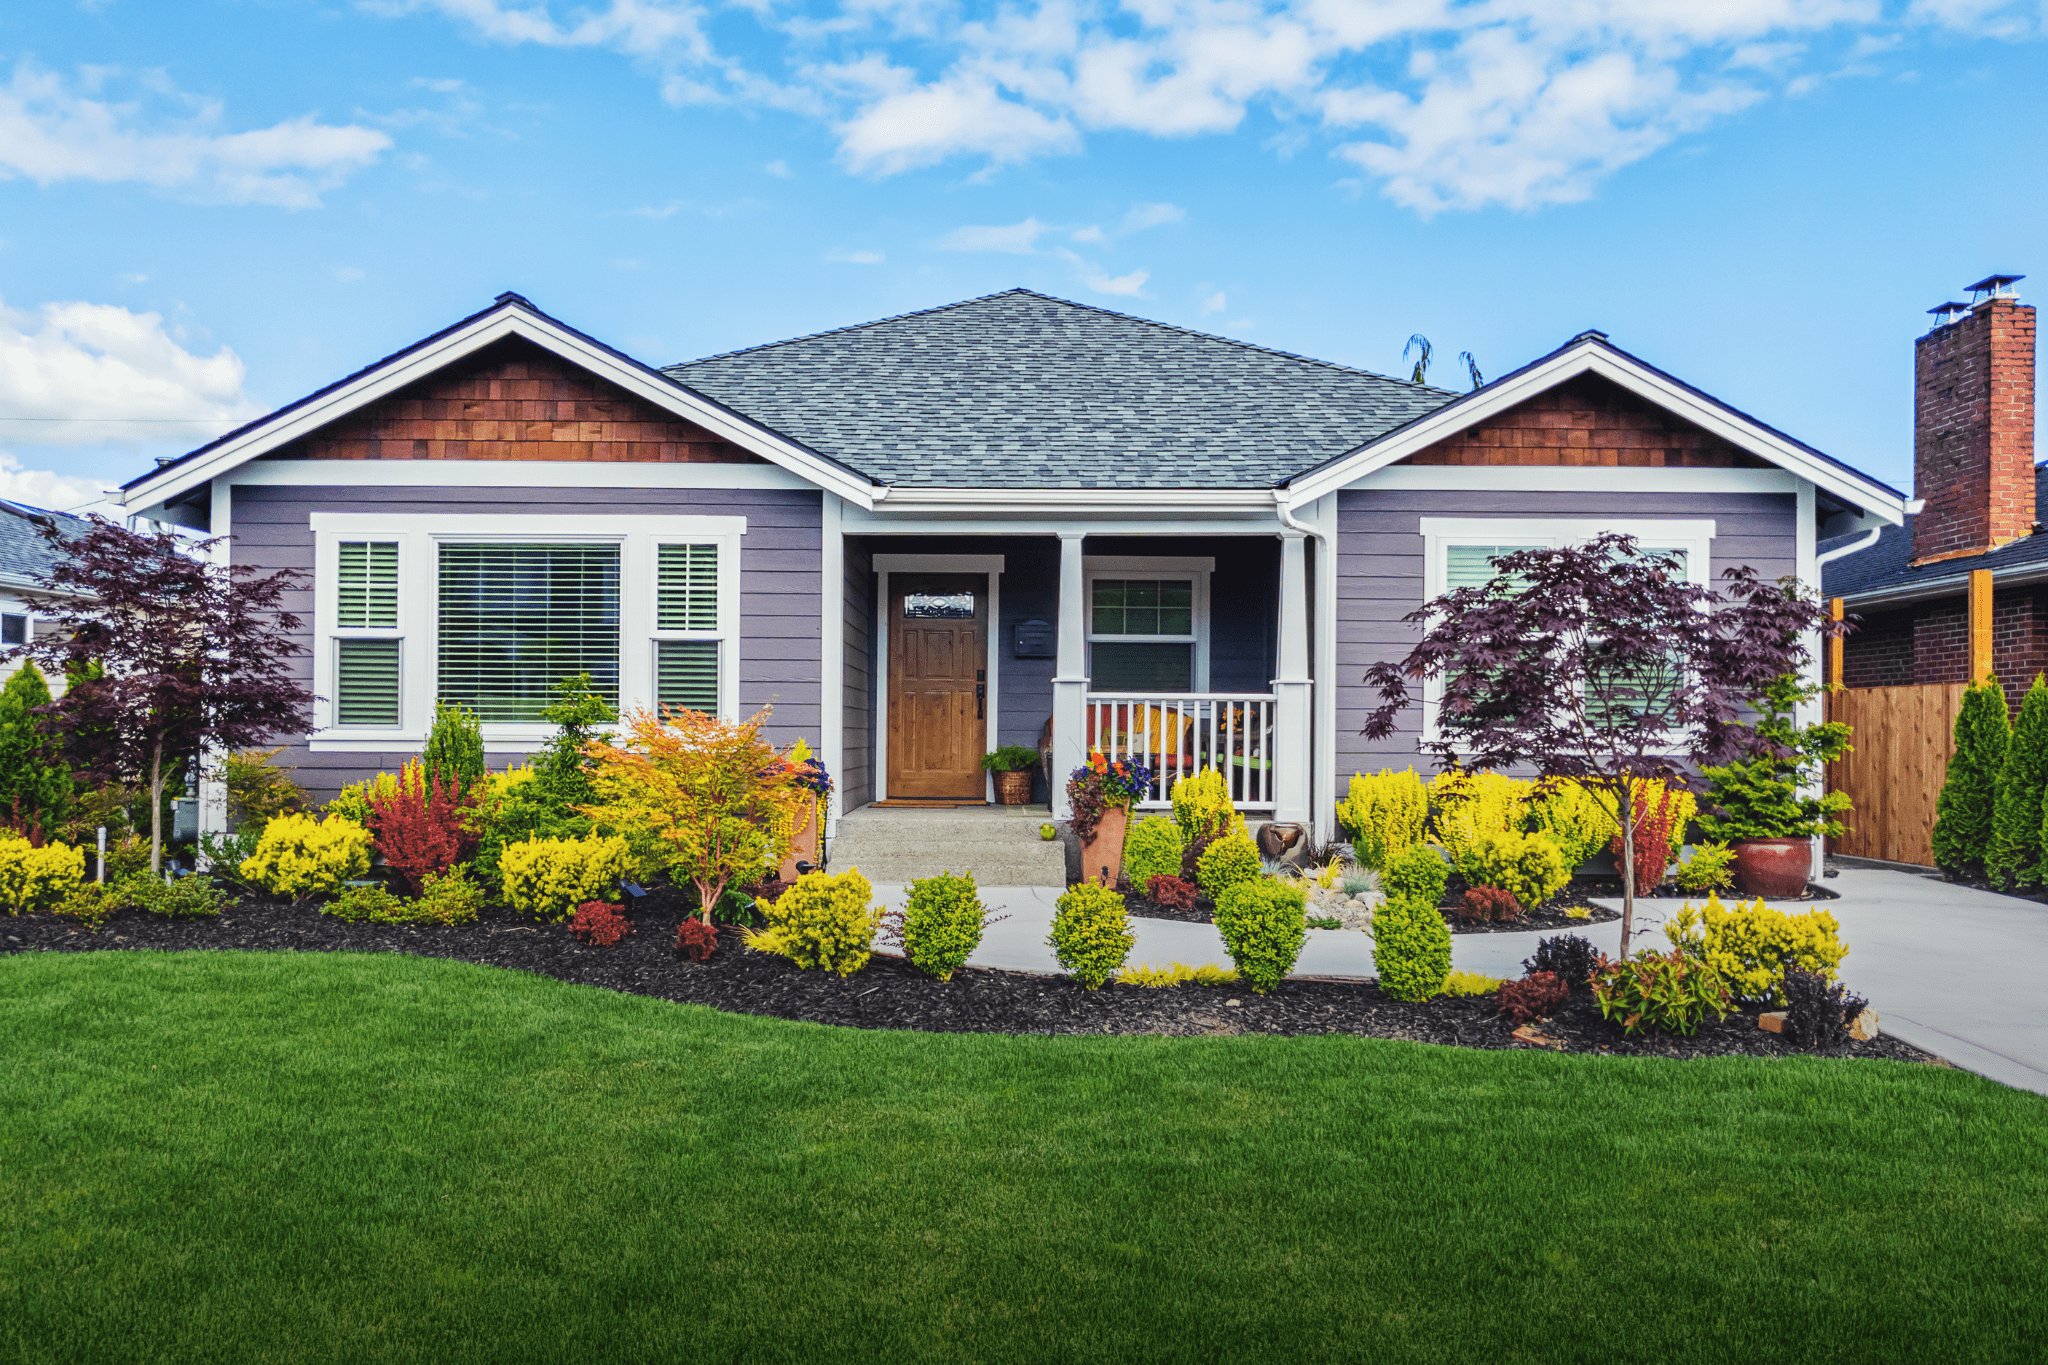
column 1321, row 756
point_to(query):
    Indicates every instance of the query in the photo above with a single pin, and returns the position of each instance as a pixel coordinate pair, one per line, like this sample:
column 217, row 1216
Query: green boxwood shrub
column 1529, row 867
column 1230, row 861
column 1411, row 947
column 1418, row 871
column 1263, row 926
column 1091, row 933
column 1152, row 848
column 942, row 923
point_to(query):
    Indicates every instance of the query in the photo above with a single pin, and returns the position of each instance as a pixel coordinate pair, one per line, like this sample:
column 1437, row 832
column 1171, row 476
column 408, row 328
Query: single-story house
column 1978, row 492
column 26, row 558
column 934, row 534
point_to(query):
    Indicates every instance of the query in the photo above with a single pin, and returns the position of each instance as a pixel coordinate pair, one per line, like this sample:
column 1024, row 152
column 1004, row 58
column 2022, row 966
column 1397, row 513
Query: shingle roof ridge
column 32, row 512
column 1072, row 303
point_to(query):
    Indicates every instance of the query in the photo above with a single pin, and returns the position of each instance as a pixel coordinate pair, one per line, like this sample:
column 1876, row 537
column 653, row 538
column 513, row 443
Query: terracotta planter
column 803, row 842
column 1013, row 789
column 1772, row 867
column 1106, row 849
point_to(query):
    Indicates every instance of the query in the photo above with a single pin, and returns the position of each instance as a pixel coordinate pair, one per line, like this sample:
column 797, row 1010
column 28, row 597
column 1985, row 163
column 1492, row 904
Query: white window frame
column 1199, row 568
column 1694, row 536
column 28, row 627
column 419, row 537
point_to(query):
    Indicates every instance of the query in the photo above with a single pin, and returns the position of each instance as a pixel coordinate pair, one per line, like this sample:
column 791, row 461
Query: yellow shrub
column 1175, row 974
column 299, row 856
column 1579, row 820
column 1202, row 806
column 1468, row 805
column 1682, row 806
column 826, row 920
column 1384, row 815
column 34, row 878
column 353, row 801
column 551, row 877
column 1751, row 946
column 1471, row 983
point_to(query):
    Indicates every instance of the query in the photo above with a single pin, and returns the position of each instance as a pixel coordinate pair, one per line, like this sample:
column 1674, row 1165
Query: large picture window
column 1148, row 624
column 491, row 612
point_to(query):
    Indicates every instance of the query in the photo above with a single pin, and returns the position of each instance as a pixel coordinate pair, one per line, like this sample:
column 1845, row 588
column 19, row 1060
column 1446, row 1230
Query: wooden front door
column 938, row 686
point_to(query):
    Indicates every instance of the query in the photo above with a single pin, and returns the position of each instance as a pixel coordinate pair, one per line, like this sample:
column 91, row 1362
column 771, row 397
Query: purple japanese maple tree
column 168, row 655
column 1599, row 662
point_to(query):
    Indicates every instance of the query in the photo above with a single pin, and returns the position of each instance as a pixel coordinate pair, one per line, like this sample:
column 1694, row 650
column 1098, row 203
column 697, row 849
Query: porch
column 1182, row 652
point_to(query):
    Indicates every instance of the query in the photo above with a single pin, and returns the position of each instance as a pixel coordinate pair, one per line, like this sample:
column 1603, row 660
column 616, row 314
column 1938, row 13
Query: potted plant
column 807, row 774
column 1011, row 765
column 1758, row 805
column 1101, row 792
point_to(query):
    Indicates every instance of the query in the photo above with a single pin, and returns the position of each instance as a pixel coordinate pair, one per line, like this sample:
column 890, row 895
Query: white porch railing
column 1176, row 735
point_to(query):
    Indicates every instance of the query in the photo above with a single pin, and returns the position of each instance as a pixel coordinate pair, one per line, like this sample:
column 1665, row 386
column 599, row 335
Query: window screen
column 1143, row 606
column 687, row 588
column 366, row 682
column 1122, row 667
column 13, row 629
column 367, row 585
column 516, row 619
column 686, row 675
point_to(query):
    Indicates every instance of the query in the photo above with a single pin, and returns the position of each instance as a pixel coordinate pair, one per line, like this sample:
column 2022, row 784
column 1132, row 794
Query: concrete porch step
column 999, row 845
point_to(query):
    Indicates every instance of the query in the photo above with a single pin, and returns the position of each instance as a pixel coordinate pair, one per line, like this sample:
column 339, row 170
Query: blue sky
column 210, row 208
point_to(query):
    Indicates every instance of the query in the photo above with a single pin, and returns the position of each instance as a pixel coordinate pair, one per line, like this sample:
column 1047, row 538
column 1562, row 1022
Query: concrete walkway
column 1959, row 973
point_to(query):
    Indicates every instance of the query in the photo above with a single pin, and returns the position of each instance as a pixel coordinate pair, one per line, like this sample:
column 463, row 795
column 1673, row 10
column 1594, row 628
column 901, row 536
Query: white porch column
column 832, row 657
column 1293, row 759
column 1070, row 676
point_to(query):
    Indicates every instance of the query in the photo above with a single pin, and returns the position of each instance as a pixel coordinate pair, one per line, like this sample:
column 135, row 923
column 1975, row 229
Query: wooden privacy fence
column 1903, row 738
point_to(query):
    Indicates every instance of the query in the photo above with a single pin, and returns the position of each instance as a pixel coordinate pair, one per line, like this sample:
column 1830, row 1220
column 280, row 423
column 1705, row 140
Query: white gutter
column 1862, row 542
column 1322, row 747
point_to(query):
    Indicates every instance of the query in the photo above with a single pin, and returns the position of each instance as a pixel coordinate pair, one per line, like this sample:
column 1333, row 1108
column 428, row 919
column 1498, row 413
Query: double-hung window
column 491, row 612
column 1148, row 623
column 1458, row 552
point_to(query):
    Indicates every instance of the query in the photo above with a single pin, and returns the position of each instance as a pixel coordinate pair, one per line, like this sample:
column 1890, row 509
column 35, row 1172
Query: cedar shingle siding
column 1587, row 421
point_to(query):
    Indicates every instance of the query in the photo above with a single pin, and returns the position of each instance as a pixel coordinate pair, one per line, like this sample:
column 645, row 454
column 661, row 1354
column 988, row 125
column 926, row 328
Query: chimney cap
column 1995, row 286
column 1946, row 313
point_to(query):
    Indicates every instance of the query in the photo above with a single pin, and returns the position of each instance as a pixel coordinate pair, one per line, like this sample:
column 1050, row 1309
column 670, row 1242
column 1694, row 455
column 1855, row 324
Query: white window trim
column 419, row 536
column 1695, row 537
column 1197, row 567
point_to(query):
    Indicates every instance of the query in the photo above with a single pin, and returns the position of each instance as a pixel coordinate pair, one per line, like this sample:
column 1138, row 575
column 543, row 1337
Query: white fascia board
column 867, row 524
column 1079, row 501
column 1589, row 357
column 510, row 321
column 512, row 474
column 1574, row 479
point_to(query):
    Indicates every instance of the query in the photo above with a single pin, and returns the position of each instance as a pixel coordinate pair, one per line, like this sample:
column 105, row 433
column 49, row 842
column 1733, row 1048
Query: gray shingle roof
column 24, row 554
column 1020, row 390
column 1887, row 566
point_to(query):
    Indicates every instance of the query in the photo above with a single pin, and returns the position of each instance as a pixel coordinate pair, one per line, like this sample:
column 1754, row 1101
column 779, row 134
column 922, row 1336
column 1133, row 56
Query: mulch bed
column 1549, row 916
column 890, row 993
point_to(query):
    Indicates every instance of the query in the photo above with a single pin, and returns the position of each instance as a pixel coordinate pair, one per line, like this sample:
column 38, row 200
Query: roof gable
column 1021, row 390
column 1587, row 420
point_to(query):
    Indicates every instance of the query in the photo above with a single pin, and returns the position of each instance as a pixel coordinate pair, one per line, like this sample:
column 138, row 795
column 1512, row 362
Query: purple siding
column 1380, row 578
column 780, row 589
column 856, row 775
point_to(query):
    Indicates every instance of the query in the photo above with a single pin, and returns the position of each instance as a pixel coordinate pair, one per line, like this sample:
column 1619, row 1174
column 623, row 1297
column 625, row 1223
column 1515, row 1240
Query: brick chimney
column 1973, row 424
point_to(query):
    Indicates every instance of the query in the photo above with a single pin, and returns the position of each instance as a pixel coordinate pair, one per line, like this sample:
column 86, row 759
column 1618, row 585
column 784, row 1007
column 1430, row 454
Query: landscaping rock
column 1772, row 1021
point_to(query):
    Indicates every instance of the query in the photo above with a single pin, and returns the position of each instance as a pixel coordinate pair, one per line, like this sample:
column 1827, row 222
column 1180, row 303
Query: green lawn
column 217, row 1157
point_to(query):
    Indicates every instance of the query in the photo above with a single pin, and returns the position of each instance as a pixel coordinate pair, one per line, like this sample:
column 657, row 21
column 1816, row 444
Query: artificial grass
column 226, row 1156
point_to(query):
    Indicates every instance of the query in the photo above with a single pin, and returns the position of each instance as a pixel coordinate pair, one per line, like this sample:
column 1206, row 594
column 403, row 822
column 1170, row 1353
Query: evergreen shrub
column 1202, row 806
column 33, row 879
column 1568, row 957
column 1176, row 974
column 1710, row 868
column 299, row 856
column 1419, row 873
column 2014, row 860
column 1574, row 816
column 826, row 921
column 1752, row 946
column 1969, row 795
column 454, row 751
column 1467, row 806
column 451, row 897
column 36, row 789
column 1230, row 861
column 1529, row 867
column 1411, row 947
column 370, row 903
column 942, row 923
column 1384, row 815
column 549, row 878
column 1263, row 928
column 1152, row 848
column 1091, row 933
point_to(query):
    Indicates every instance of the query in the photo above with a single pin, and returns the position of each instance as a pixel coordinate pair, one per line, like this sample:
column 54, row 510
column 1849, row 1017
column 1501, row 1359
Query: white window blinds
column 366, row 684
column 1471, row 566
column 686, row 675
column 686, row 588
column 366, row 582
column 517, row 618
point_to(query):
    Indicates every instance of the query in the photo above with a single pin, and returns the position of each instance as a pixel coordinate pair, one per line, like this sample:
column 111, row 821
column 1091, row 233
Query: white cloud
column 842, row 255
column 46, row 488
column 1017, row 239
column 52, row 129
column 1215, row 303
column 1142, row 216
column 779, row 169
column 1445, row 104
column 106, row 374
column 1131, row 285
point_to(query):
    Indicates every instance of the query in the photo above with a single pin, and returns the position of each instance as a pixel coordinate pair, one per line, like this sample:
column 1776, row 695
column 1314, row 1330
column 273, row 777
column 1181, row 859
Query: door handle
column 981, row 694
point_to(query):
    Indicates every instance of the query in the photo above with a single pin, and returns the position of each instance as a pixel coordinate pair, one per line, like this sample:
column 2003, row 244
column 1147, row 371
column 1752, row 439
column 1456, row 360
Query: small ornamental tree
column 1969, row 795
column 2016, row 816
column 169, row 655
column 35, row 781
column 1598, row 662
column 710, row 798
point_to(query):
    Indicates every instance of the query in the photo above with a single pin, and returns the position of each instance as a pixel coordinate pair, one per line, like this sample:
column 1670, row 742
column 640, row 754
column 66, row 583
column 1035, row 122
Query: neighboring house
column 1979, row 490
column 937, row 533
column 25, row 561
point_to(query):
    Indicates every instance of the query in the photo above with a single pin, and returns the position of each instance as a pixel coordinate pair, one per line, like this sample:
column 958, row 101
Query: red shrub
column 1533, row 997
column 1171, row 892
column 598, row 923
column 422, row 828
column 1488, row 904
column 1654, row 818
column 696, row 940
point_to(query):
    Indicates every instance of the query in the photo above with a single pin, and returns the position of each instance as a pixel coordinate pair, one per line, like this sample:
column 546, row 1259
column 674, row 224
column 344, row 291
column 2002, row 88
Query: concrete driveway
column 1959, row 973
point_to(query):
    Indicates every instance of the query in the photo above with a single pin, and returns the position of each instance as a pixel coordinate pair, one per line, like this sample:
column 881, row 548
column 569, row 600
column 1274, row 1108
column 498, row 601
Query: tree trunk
column 156, row 809
column 1628, row 865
